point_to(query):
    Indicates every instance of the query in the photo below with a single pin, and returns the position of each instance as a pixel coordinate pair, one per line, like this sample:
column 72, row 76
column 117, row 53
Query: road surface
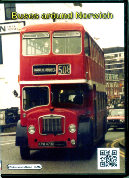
column 61, row 161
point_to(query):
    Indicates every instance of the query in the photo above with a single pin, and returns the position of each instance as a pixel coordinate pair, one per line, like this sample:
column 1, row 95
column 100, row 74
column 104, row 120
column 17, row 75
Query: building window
column 111, row 84
column 116, row 55
column 9, row 8
column 111, row 92
column 1, row 58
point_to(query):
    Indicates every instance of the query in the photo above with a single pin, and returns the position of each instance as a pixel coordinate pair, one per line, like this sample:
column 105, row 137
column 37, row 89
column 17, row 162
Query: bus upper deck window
column 37, row 43
column 66, row 42
column 86, row 45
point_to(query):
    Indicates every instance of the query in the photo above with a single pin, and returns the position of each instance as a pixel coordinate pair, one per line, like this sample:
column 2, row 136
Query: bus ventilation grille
column 53, row 125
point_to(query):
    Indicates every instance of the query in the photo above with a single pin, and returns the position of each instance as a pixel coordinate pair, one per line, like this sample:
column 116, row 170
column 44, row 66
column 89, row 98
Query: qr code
column 108, row 158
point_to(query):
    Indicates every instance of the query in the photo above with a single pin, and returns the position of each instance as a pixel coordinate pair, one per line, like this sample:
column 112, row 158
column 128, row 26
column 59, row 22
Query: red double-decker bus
column 62, row 89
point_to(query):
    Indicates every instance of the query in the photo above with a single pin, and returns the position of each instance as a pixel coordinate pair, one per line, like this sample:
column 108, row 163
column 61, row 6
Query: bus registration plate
column 49, row 144
column 46, row 144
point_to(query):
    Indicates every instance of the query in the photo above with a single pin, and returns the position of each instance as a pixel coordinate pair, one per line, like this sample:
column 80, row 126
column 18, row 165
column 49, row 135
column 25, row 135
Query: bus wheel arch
column 21, row 135
column 85, row 134
column 85, row 137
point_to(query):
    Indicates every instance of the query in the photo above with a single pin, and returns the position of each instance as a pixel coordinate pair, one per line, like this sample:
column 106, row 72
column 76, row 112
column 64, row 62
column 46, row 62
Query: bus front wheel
column 25, row 152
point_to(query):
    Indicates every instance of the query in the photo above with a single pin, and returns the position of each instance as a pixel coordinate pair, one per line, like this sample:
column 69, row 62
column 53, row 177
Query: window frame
column 1, row 54
column 9, row 7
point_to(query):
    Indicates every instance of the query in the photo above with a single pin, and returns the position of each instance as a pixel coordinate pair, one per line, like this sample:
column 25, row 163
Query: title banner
column 71, row 15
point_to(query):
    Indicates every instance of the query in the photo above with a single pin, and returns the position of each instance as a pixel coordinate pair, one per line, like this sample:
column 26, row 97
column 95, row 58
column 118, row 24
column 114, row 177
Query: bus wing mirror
column 15, row 93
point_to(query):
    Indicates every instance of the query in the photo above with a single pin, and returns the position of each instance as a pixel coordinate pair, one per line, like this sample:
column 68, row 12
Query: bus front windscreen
column 66, row 42
column 34, row 97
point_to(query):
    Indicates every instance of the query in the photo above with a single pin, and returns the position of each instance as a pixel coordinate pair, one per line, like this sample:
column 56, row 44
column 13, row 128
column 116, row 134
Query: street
column 61, row 161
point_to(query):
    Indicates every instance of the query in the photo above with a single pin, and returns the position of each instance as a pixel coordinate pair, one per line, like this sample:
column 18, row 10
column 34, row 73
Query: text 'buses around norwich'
column 62, row 89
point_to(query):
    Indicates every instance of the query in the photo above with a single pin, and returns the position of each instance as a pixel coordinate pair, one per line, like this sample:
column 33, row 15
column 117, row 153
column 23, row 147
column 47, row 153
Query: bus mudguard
column 85, row 132
column 21, row 135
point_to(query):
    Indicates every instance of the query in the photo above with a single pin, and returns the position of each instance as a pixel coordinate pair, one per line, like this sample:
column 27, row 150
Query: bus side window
column 86, row 45
column 91, row 48
column 100, row 56
column 99, row 62
column 97, row 102
column 102, row 59
column 95, row 50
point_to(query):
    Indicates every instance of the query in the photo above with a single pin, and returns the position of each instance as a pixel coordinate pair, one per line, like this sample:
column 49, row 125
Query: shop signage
column 14, row 27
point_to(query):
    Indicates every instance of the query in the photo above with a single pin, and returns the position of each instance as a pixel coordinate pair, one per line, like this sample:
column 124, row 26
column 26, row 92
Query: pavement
column 122, row 143
column 8, row 134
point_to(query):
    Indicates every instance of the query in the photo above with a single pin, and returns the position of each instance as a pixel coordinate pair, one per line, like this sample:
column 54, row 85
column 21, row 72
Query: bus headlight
column 72, row 128
column 121, row 120
column 31, row 129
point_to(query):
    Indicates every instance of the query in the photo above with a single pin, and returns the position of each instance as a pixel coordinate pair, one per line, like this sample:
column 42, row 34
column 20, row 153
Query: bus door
column 95, row 113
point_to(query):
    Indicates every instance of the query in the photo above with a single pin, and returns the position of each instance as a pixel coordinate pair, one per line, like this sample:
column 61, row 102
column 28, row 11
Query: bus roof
column 55, row 26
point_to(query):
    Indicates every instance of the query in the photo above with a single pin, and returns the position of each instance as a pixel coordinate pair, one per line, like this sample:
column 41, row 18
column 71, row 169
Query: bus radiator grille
column 53, row 125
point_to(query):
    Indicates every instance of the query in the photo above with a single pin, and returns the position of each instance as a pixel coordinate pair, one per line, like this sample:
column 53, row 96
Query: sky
column 110, row 31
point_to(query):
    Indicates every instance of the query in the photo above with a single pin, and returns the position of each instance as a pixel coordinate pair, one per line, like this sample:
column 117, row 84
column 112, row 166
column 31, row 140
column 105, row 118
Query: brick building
column 114, row 72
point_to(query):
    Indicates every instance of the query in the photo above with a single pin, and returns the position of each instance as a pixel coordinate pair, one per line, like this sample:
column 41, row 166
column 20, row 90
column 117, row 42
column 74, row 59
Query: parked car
column 116, row 118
